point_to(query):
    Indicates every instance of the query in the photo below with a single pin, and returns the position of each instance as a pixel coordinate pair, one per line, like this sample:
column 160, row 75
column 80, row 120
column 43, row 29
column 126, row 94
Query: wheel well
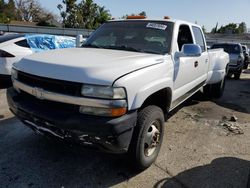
column 161, row 99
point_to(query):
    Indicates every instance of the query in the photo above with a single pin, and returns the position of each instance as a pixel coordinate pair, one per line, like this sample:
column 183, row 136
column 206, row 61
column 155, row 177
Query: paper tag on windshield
column 156, row 26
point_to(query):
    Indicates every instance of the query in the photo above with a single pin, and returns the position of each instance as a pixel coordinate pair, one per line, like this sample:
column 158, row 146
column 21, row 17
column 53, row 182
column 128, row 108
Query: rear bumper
column 101, row 133
column 5, row 81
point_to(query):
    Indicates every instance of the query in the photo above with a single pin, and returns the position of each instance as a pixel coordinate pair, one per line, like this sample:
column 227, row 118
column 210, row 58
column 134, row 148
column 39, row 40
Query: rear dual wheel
column 215, row 90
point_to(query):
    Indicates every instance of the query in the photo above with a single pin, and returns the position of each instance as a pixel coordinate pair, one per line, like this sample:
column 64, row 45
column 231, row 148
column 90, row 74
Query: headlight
column 103, row 92
column 117, row 96
column 14, row 74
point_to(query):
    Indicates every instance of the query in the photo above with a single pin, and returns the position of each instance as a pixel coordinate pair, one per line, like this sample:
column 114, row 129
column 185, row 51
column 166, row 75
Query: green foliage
column 143, row 13
column 85, row 14
column 45, row 23
column 7, row 11
column 4, row 19
column 203, row 29
column 231, row 28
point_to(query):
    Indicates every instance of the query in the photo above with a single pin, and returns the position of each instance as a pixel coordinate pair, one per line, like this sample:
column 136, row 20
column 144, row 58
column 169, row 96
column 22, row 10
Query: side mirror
column 189, row 50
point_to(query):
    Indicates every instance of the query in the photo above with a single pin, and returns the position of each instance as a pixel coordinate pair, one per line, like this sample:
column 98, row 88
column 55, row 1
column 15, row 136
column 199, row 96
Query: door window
column 199, row 38
column 184, row 36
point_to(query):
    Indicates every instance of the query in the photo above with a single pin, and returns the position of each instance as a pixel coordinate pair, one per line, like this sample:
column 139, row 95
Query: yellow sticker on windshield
column 156, row 26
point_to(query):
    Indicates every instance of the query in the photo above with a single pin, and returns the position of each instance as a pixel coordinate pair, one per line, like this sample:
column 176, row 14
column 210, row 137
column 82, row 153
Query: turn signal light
column 118, row 112
column 136, row 17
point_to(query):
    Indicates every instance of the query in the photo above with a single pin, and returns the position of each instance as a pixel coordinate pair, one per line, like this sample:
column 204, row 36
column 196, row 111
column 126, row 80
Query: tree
column 2, row 5
column 85, row 14
column 7, row 11
column 203, row 29
column 143, row 13
column 32, row 11
column 214, row 30
column 242, row 27
column 233, row 28
column 10, row 10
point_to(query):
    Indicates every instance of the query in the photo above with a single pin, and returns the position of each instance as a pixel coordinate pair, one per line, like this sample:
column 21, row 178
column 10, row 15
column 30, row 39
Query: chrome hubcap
column 152, row 139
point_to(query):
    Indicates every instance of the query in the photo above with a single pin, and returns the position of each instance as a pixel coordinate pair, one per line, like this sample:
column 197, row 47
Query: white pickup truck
column 114, row 92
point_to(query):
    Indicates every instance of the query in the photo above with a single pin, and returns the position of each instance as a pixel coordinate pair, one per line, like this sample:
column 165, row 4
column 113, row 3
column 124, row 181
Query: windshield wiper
column 151, row 52
column 128, row 48
column 122, row 47
column 91, row 46
column 132, row 49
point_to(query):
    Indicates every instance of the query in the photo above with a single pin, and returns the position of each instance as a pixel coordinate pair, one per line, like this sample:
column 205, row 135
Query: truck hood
column 86, row 65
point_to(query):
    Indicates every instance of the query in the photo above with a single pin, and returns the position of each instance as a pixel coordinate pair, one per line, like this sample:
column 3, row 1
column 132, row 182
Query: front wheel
column 148, row 136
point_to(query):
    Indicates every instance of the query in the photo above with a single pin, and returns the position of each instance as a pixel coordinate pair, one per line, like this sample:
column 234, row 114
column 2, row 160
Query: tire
column 215, row 90
column 147, row 137
column 218, row 89
column 237, row 75
column 245, row 66
column 229, row 75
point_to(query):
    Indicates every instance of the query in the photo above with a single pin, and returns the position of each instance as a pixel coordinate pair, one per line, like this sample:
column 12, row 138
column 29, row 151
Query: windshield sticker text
column 156, row 26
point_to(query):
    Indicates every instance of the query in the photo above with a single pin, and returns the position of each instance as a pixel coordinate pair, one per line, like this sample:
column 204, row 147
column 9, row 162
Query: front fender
column 150, row 89
column 144, row 82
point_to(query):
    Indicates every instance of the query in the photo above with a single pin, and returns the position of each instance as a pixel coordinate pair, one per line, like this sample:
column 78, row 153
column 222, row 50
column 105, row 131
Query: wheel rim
column 152, row 138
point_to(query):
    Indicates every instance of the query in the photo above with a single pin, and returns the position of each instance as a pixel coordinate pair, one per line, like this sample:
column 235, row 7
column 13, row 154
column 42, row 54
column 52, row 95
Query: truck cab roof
column 176, row 21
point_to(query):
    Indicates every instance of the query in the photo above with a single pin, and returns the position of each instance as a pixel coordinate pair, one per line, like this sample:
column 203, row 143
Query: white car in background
column 14, row 47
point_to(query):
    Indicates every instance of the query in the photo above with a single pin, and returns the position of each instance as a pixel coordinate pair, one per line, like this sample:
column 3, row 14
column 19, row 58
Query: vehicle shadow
column 33, row 161
column 6, row 120
column 221, row 172
column 236, row 95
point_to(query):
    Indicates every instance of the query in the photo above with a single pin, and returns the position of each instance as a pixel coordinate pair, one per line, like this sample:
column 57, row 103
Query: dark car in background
column 246, row 54
column 236, row 56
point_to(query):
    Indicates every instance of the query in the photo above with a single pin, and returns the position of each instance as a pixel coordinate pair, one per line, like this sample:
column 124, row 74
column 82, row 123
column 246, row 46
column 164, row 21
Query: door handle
column 196, row 63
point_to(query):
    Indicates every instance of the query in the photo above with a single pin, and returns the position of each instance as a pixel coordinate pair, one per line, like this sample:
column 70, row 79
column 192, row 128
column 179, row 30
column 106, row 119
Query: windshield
column 229, row 48
column 139, row 36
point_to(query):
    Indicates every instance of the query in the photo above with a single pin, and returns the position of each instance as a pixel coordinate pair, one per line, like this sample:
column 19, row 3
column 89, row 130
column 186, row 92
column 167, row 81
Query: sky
column 204, row 12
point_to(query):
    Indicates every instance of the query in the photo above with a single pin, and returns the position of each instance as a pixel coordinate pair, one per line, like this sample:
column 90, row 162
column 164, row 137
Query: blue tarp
column 39, row 42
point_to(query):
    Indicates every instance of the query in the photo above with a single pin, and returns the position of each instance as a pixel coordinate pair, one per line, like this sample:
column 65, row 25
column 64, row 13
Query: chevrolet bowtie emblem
column 38, row 93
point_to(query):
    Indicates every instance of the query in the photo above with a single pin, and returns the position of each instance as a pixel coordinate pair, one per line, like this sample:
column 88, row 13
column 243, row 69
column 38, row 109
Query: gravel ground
column 201, row 148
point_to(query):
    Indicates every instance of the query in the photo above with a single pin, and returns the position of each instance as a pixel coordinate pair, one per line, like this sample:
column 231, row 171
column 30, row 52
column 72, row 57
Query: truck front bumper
column 101, row 133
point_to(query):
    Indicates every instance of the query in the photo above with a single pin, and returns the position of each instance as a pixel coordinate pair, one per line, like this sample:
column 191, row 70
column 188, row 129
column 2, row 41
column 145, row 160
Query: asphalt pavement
column 200, row 149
